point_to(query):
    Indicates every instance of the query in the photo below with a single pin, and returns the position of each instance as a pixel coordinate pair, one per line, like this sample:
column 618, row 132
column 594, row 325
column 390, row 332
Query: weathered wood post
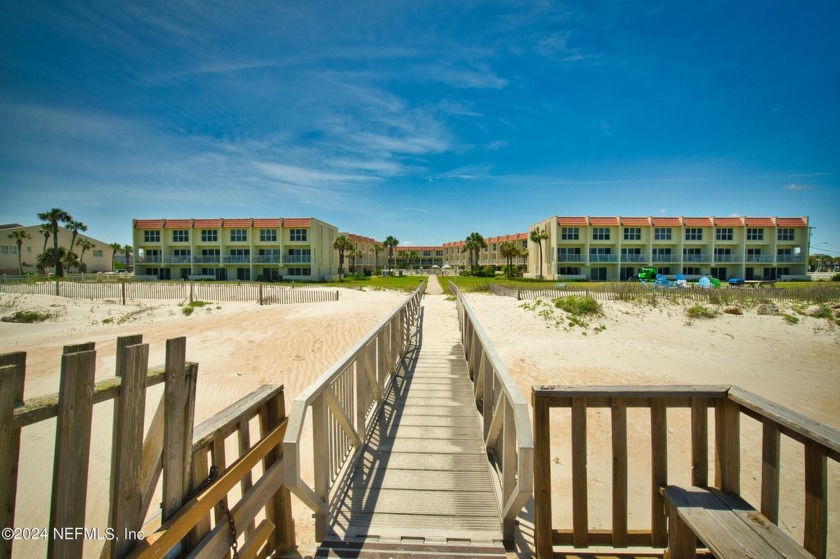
column 12, row 371
column 123, row 293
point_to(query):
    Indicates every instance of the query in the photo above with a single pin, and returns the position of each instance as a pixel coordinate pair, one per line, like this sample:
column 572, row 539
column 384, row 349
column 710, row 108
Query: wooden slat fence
column 504, row 416
column 343, row 404
column 123, row 291
column 821, row 443
column 138, row 462
column 638, row 292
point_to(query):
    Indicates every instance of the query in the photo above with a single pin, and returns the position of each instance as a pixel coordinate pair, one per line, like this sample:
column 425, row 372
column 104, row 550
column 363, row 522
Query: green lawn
column 401, row 283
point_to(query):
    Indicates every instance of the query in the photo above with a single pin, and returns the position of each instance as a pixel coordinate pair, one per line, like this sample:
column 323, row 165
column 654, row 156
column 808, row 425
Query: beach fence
column 124, row 291
column 196, row 478
column 639, row 292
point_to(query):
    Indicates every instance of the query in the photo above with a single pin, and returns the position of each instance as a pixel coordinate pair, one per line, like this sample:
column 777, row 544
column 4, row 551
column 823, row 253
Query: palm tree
column 85, row 245
column 354, row 254
column 75, row 227
column 53, row 217
column 412, row 256
column 116, row 248
column 46, row 231
column 377, row 248
column 127, row 251
column 474, row 243
column 391, row 242
column 537, row 236
column 341, row 244
column 70, row 260
column 18, row 237
column 510, row 251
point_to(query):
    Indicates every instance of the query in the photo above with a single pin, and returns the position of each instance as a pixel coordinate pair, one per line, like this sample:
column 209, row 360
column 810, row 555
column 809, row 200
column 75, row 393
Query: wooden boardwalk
column 424, row 478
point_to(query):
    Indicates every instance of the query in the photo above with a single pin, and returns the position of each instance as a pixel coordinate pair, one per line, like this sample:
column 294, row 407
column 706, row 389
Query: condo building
column 97, row 258
column 265, row 249
column 418, row 256
column 490, row 255
column 364, row 257
column 614, row 248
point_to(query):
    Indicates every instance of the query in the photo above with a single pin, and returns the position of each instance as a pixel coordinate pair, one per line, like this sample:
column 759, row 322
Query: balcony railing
column 153, row 259
column 729, row 258
column 569, row 257
column 207, row 259
column 171, row 259
column 635, row 258
column 297, row 259
column 696, row 258
column 237, row 260
column 788, row 258
column 266, row 259
column 759, row 258
column 664, row 258
column 603, row 258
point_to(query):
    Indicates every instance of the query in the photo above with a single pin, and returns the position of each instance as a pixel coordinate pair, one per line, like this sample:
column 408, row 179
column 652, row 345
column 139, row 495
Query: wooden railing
column 344, row 403
column 821, row 443
column 505, row 417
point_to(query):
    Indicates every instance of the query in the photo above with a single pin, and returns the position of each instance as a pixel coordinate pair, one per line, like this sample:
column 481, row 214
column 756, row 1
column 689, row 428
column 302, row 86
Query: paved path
column 424, row 479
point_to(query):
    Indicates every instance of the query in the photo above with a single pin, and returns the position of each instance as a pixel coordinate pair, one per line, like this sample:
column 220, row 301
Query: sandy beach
column 240, row 346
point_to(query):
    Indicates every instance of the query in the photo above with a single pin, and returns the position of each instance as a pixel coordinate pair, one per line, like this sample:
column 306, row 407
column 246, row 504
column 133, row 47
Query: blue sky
column 424, row 120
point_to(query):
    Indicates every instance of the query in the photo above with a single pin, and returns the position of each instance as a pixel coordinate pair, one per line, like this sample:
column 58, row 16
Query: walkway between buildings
column 423, row 485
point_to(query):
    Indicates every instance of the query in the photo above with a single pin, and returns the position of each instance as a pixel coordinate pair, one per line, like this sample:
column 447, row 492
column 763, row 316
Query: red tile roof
column 635, row 221
column 729, row 222
column 177, row 224
column 571, row 221
column 666, row 221
column 148, row 224
column 603, row 221
column 207, row 223
column 759, row 222
column 267, row 222
column 237, row 222
column 409, row 248
column 791, row 222
column 297, row 222
column 697, row 221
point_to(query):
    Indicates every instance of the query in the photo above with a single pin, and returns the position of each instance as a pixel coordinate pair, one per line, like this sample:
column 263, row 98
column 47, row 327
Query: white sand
column 241, row 346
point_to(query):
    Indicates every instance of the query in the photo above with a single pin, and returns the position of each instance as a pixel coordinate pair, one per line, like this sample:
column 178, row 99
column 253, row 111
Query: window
column 297, row 235
column 9, row 249
column 210, row 252
column 97, row 253
column 755, row 234
column 209, row 236
column 427, row 253
column 240, row 252
column 601, row 250
column 753, row 252
column 723, row 255
column 662, row 255
column 439, row 253
column 691, row 271
column 693, row 234
column 238, row 235
column 180, row 236
column 723, row 234
column 662, row 234
column 692, row 255
column 300, row 271
column 269, row 252
column 566, row 234
column 151, row 236
column 268, row 235
column 600, row 233
column 785, row 235
column 568, row 271
column 524, row 245
column 632, row 233
column 628, row 251
column 182, row 252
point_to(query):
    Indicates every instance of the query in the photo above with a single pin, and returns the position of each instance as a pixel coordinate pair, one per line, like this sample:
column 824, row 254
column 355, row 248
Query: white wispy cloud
column 797, row 187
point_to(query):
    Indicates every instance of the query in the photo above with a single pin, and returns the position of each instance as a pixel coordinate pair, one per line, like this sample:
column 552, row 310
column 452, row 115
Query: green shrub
column 835, row 277
column 699, row 311
column 28, row 316
column 578, row 305
column 790, row 319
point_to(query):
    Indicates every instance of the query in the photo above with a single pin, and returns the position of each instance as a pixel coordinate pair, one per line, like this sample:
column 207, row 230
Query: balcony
column 297, row 259
column 603, row 258
column 267, row 259
column 664, row 258
column 729, row 258
column 790, row 258
column 765, row 258
column 639, row 258
column 207, row 259
column 696, row 258
column 569, row 257
column 153, row 259
column 171, row 259
column 237, row 260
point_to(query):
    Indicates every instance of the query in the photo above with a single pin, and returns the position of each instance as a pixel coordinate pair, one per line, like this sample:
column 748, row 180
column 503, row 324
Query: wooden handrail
column 340, row 420
column 507, row 423
column 821, row 443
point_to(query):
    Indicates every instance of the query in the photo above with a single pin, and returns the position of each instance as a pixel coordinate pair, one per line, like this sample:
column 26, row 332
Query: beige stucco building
column 244, row 249
column 614, row 248
column 490, row 255
column 96, row 259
